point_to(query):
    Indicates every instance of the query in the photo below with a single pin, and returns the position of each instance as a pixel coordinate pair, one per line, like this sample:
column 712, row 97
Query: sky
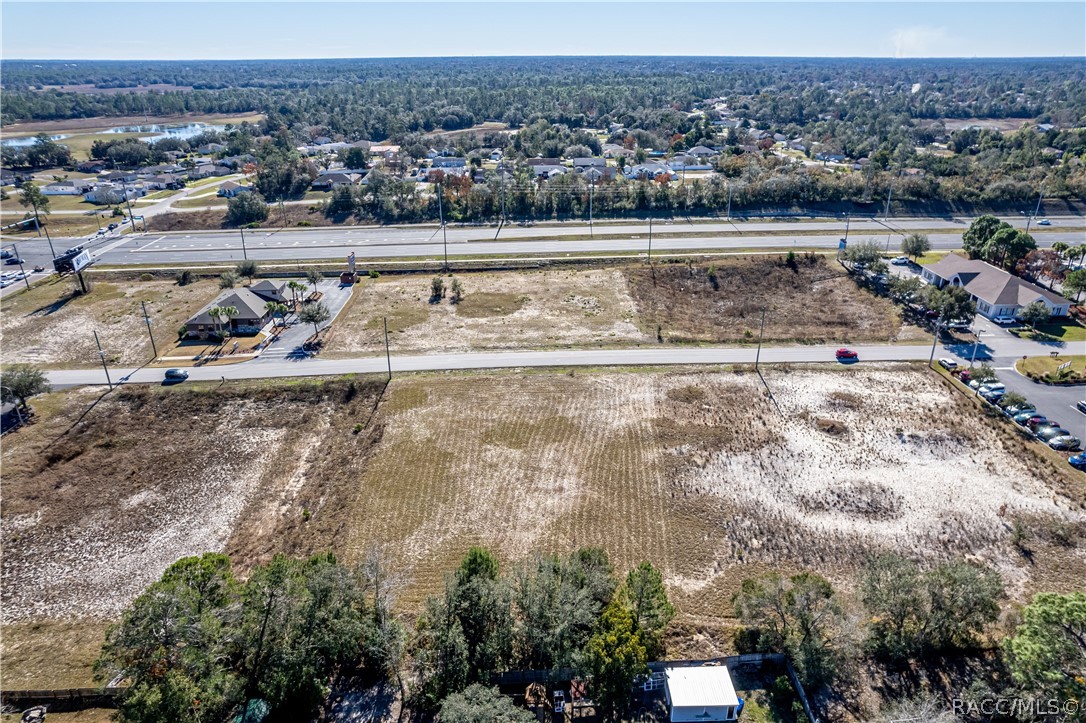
column 250, row 29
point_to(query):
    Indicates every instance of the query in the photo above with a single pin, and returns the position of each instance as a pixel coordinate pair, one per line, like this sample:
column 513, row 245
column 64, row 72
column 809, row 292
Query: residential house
column 580, row 164
column 448, row 162
column 92, row 166
column 780, row 137
column 1050, row 152
column 996, row 292
column 321, row 140
column 65, row 188
column 701, row 152
column 208, row 148
column 107, row 193
column 166, row 181
column 649, row 170
column 797, row 144
column 237, row 161
column 543, row 170
column 121, row 176
column 198, row 172
column 700, row 693
column 231, row 189
column 428, row 174
column 542, row 161
column 595, row 174
column 496, row 154
column 252, row 314
column 830, row 157
column 328, row 181
column 685, row 162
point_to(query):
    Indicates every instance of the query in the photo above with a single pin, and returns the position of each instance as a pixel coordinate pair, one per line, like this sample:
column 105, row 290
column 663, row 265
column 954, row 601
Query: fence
column 62, row 699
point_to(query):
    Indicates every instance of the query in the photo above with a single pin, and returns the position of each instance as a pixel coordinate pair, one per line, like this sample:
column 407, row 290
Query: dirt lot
column 511, row 309
column 696, row 471
column 50, row 326
column 812, row 301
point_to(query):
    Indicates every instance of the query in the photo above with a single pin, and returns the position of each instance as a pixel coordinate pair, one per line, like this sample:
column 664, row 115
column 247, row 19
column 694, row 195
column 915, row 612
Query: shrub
column 184, row 278
column 437, row 289
column 147, row 277
column 374, row 274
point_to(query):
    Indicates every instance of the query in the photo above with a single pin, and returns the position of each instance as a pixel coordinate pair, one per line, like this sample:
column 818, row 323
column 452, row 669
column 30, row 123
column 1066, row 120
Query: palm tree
column 296, row 288
column 1061, row 248
column 314, row 277
column 215, row 312
column 228, row 313
column 274, row 308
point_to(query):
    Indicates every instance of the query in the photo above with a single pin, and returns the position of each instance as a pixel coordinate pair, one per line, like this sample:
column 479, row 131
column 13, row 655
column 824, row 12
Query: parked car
column 1015, row 409
column 1081, row 406
column 1003, row 319
column 843, row 354
column 900, row 261
column 1029, row 421
column 4, row 253
column 992, row 387
column 1049, row 433
column 948, row 364
column 964, row 374
column 1044, row 222
column 1066, row 443
column 992, row 395
column 1078, row 461
column 176, row 375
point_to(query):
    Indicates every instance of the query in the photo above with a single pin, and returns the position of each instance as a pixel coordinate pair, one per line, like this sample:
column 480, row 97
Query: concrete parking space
column 288, row 344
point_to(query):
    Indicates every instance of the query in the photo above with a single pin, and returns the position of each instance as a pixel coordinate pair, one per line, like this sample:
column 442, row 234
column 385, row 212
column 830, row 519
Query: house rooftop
column 993, row 285
column 707, row 686
column 249, row 306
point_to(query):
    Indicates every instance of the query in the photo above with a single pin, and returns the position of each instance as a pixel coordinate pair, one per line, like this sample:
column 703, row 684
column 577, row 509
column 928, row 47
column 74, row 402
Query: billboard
column 81, row 261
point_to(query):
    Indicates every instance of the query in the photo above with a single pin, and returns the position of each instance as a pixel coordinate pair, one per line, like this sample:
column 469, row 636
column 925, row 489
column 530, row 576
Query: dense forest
column 906, row 121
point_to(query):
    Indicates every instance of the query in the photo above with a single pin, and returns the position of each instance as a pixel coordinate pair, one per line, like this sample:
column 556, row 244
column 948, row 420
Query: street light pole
column 934, row 341
column 444, row 236
column 244, row 254
column 388, row 356
column 102, row 356
column 147, row 318
column 650, row 240
column 21, row 269
column 591, row 189
column 761, row 331
column 973, row 356
column 729, row 200
column 1036, row 210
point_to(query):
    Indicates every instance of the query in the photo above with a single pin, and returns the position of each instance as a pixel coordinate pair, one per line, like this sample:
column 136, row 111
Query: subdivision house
column 252, row 314
column 996, row 292
column 701, row 694
column 231, row 189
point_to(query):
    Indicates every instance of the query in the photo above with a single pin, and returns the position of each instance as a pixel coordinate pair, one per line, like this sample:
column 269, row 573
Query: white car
column 948, row 364
column 1044, row 222
column 993, row 387
column 900, row 261
column 1004, row 319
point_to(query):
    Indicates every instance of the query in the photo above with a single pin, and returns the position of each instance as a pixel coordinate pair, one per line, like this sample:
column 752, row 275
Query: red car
column 844, row 353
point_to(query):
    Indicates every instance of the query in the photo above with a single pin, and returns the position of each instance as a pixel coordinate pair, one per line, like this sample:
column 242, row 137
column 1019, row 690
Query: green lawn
column 1068, row 330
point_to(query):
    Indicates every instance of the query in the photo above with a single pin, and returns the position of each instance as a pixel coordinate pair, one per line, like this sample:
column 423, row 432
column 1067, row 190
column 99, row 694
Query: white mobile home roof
column 708, row 687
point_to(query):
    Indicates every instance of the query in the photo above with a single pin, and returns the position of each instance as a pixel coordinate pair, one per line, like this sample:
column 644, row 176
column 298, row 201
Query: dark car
column 13, row 261
column 1049, row 433
column 1081, row 406
column 1023, row 418
column 176, row 375
column 112, row 226
column 844, row 353
column 74, row 250
column 1078, row 461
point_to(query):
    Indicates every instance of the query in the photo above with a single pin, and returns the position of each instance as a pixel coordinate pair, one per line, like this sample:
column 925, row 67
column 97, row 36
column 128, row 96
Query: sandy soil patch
column 529, row 309
column 50, row 326
column 699, row 473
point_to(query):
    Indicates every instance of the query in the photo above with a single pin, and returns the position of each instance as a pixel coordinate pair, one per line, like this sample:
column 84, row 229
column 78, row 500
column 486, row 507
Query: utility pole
column 102, row 356
column 934, row 340
column 21, row 269
column 147, row 318
column 1036, row 210
column 591, row 188
column 886, row 213
column 388, row 356
column 244, row 254
column 501, row 175
column 761, row 331
column 973, row 356
column 131, row 218
column 650, row 240
column 729, row 200
column 444, row 236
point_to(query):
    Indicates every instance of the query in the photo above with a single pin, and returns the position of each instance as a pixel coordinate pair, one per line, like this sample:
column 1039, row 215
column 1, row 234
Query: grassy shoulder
column 1063, row 330
column 1047, row 368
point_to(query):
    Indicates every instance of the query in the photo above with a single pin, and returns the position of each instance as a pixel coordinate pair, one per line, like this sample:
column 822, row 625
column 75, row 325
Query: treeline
column 382, row 98
column 201, row 644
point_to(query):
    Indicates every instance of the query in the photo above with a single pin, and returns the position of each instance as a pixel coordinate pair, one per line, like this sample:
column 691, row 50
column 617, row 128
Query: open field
column 101, row 123
column 617, row 306
column 50, row 326
column 510, row 309
column 814, row 301
column 695, row 471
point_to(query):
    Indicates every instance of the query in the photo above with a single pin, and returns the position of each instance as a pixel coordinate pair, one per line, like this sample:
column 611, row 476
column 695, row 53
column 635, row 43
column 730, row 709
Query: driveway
column 288, row 345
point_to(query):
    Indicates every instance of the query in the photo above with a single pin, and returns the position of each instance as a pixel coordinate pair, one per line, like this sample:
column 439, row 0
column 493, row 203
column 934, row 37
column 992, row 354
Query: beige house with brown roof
column 996, row 292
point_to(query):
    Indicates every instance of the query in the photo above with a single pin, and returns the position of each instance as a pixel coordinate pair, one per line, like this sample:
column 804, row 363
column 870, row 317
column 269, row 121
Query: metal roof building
column 701, row 694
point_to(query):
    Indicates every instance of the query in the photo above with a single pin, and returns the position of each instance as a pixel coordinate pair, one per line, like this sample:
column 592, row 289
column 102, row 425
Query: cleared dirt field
column 696, row 471
column 510, row 309
column 50, row 326
column 814, row 300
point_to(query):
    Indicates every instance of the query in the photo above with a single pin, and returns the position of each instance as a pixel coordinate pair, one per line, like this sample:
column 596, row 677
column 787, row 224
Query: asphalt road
column 564, row 239
column 662, row 356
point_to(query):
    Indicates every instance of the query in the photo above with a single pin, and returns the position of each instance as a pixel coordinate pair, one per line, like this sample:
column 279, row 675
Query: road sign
column 1063, row 366
column 81, row 261
column 350, row 262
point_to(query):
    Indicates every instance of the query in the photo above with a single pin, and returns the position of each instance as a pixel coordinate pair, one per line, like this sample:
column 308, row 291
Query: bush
column 184, row 278
column 246, row 208
column 374, row 274
column 437, row 289
column 147, row 277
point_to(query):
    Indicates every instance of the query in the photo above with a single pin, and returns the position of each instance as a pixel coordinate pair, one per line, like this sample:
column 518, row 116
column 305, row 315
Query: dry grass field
column 509, row 309
column 50, row 326
column 696, row 471
column 813, row 302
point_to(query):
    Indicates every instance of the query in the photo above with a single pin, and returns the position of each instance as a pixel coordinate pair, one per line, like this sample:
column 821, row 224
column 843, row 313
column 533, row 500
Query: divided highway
column 574, row 238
